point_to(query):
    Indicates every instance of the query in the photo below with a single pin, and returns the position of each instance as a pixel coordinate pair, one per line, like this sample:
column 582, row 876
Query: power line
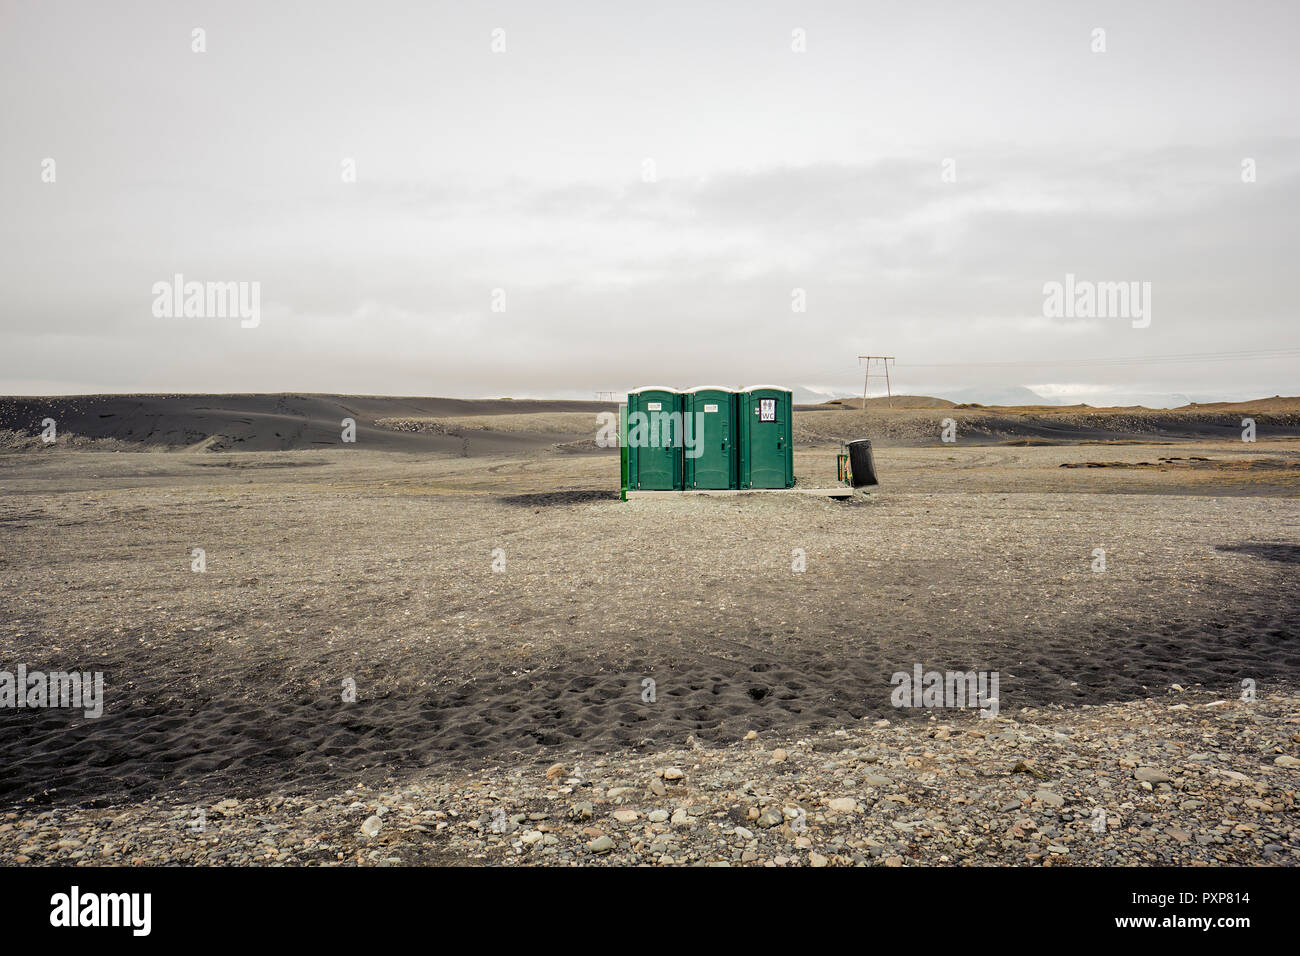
column 1133, row 360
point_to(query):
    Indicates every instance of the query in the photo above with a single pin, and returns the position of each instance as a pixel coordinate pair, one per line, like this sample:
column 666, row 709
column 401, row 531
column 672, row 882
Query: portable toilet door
column 654, row 439
column 709, row 457
column 766, row 437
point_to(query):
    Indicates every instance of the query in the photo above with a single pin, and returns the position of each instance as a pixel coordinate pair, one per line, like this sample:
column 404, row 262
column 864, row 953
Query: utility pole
column 883, row 360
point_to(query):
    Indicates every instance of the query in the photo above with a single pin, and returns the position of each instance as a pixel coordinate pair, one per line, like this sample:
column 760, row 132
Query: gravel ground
column 325, row 567
column 1183, row 779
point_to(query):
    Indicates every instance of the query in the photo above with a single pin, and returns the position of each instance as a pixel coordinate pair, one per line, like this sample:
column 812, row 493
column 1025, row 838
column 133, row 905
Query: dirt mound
column 1035, row 426
column 287, row 422
column 1278, row 403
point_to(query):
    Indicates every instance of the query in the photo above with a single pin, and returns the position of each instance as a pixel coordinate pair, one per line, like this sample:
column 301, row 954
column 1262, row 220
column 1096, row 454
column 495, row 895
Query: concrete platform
column 842, row 491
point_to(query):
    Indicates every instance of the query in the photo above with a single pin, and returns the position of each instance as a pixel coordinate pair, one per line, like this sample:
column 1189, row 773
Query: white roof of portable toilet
column 652, row 388
column 709, row 388
column 779, row 388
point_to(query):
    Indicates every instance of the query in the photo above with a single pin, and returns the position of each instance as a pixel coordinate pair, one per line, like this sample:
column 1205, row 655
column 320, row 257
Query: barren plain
column 472, row 574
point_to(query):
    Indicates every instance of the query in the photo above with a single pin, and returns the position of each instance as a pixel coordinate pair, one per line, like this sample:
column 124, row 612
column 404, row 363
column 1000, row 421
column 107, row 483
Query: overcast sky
column 647, row 184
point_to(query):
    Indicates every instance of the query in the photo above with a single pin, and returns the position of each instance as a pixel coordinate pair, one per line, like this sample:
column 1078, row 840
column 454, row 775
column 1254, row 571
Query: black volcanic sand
column 228, row 683
column 271, row 739
column 280, row 422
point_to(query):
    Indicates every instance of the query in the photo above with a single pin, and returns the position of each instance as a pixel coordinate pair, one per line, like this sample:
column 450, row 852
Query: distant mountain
column 809, row 395
column 998, row 395
column 1145, row 399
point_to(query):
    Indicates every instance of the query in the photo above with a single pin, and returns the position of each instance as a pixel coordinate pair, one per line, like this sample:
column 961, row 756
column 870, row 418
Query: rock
column 581, row 811
column 816, row 859
column 770, row 818
column 672, row 775
column 876, row 780
column 1027, row 766
column 1152, row 775
column 531, row 837
column 779, row 755
column 372, row 826
column 626, row 816
column 842, row 804
column 743, row 833
column 1286, row 760
column 1047, row 798
column 1235, row 776
column 555, row 771
column 658, row 816
column 752, row 735
column 602, row 844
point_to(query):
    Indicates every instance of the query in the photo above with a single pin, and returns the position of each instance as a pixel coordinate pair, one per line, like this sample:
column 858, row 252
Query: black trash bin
column 862, row 466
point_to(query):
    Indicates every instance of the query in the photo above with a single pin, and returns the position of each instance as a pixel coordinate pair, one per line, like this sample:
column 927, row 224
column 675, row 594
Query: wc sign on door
column 767, row 409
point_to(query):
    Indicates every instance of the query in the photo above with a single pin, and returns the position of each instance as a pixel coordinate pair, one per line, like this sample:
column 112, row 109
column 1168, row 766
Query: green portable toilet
column 654, row 439
column 709, row 415
column 766, row 430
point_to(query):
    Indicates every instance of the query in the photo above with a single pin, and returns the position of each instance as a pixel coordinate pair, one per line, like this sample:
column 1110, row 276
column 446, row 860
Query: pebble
column 1151, row 775
column 770, row 818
